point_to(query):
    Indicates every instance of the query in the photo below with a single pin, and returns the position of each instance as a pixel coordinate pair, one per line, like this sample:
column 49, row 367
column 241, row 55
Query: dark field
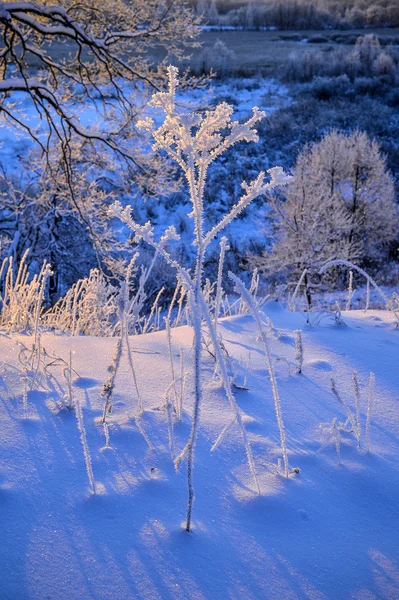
column 265, row 51
column 261, row 52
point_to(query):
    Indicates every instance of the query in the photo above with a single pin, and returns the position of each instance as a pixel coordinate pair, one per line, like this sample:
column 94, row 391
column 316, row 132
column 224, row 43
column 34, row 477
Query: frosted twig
column 298, row 350
column 83, row 438
column 357, row 404
column 350, row 291
column 343, row 403
column 369, row 408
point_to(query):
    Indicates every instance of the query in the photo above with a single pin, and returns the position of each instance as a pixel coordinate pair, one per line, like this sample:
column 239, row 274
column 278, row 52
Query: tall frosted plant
column 194, row 141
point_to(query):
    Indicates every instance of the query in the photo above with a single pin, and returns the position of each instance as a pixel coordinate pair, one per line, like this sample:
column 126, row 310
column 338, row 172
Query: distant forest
column 299, row 14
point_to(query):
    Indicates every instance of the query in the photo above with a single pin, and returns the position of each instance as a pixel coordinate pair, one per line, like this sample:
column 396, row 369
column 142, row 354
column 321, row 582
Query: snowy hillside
column 329, row 531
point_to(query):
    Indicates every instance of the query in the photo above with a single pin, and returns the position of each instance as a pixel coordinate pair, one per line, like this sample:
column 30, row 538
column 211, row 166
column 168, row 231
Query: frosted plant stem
column 223, row 433
column 223, row 248
column 172, row 367
column 350, row 291
column 180, row 303
column 108, row 387
column 197, row 402
column 182, row 381
column 154, row 308
column 357, row 404
column 83, row 438
column 133, row 372
column 227, row 387
column 369, row 408
column 46, row 272
column 299, row 350
column 74, row 328
column 337, row 439
column 169, row 412
column 367, row 296
column 36, row 350
column 247, row 298
column 196, row 199
column 294, row 295
column 194, row 141
column 346, row 408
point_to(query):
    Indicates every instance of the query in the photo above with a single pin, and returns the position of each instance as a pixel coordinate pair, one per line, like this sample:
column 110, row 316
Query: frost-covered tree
column 218, row 58
column 340, row 205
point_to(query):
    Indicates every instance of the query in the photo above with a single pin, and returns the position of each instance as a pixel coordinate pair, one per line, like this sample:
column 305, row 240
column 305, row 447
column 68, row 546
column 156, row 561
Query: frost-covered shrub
column 325, row 88
column 88, row 308
column 366, row 85
column 22, row 296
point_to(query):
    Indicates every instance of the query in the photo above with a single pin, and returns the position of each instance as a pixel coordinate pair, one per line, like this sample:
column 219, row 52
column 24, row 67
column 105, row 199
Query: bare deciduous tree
column 73, row 53
column 61, row 67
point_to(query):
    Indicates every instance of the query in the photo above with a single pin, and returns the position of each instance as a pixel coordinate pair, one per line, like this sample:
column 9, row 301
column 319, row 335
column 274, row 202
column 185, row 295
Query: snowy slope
column 329, row 532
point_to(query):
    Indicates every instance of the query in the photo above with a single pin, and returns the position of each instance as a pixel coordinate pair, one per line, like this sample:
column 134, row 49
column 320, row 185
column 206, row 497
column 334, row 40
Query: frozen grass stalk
column 369, row 409
column 297, row 288
column 83, row 439
column 223, row 247
column 350, row 291
column 367, row 296
column 195, row 422
column 337, row 439
column 68, row 377
column 298, row 350
column 172, row 367
column 247, row 298
column 346, row 408
column 109, row 385
column 357, row 404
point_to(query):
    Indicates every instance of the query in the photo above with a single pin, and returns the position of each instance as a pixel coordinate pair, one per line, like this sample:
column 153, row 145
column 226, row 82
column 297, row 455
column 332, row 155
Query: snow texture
column 327, row 532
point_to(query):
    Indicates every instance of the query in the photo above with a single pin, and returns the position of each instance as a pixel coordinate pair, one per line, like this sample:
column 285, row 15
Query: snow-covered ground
column 328, row 532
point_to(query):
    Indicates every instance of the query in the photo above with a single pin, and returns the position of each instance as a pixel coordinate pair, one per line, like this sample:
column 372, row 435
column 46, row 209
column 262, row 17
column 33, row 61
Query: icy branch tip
column 279, row 177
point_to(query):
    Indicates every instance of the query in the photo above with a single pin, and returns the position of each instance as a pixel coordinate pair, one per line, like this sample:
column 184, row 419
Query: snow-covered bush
column 88, row 308
column 22, row 296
